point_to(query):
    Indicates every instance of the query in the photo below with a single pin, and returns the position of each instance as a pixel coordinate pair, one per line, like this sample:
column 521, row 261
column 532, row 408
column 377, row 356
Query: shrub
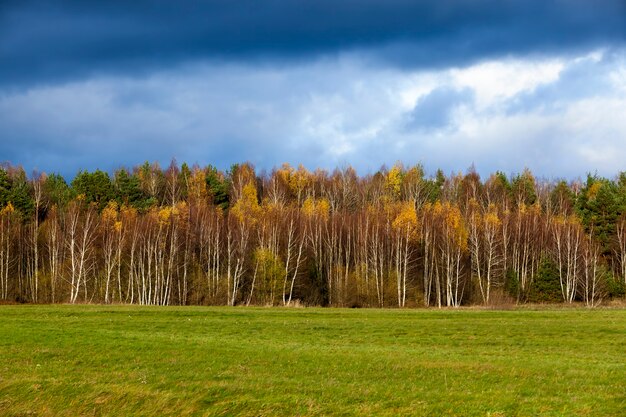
column 546, row 287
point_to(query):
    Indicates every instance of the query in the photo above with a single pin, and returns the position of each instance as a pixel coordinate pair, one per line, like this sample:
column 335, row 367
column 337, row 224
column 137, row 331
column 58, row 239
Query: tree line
column 396, row 238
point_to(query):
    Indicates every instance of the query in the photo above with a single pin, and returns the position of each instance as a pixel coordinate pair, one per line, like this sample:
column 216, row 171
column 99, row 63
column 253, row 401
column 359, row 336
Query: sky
column 499, row 84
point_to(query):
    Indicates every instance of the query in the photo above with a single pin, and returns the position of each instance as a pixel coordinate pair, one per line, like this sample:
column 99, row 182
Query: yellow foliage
column 393, row 181
column 492, row 219
column 473, row 204
column 7, row 210
column 536, row 208
column 308, row 207
column 128, row 212
column 197, row 185
column 249, row 195
column 406, row 218
column 180, row 212
column 299, row 179
column 593, row 190
column 164, row 215
column 247, row 207
column 180, row 207
column 322, row 208
column 110, row 212
column 437, row 208
column 271, row 206
column 372, row 210
column 573, row 220
column 285, row 171
column 238, row 212
column 453, row 217
column 453, row 222
column 312, row 207
column 461, row 235
column 566, row 222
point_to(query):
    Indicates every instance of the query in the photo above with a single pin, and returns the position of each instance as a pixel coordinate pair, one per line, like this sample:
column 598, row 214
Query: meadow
column 128, row 360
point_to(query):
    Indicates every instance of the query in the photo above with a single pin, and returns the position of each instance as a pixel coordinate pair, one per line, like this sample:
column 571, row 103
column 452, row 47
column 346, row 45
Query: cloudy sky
column 500, row 84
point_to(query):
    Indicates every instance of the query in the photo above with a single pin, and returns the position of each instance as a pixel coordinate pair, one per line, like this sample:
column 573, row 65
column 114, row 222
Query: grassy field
column 100, row 360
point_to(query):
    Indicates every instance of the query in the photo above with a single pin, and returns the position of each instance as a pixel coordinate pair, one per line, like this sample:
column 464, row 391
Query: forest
column 196, row 235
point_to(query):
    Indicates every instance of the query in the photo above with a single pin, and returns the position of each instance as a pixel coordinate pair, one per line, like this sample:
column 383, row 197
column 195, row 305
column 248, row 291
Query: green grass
column 122, row 360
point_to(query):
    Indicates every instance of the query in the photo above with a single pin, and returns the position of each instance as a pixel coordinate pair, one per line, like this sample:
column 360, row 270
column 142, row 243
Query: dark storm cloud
column 43, row 41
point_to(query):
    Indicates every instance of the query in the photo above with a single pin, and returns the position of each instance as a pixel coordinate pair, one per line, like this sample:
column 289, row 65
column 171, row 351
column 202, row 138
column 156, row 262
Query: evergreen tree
column 599, row 205
column 128, row 190
column 183, row 181
column 5, row 187
column 218, row 187
column 96, row 187
column 20, row 194
column 56, row 191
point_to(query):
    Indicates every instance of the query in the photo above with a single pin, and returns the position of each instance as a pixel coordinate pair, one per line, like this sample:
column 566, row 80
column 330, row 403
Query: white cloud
column 326, row 114
column 501, row 80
